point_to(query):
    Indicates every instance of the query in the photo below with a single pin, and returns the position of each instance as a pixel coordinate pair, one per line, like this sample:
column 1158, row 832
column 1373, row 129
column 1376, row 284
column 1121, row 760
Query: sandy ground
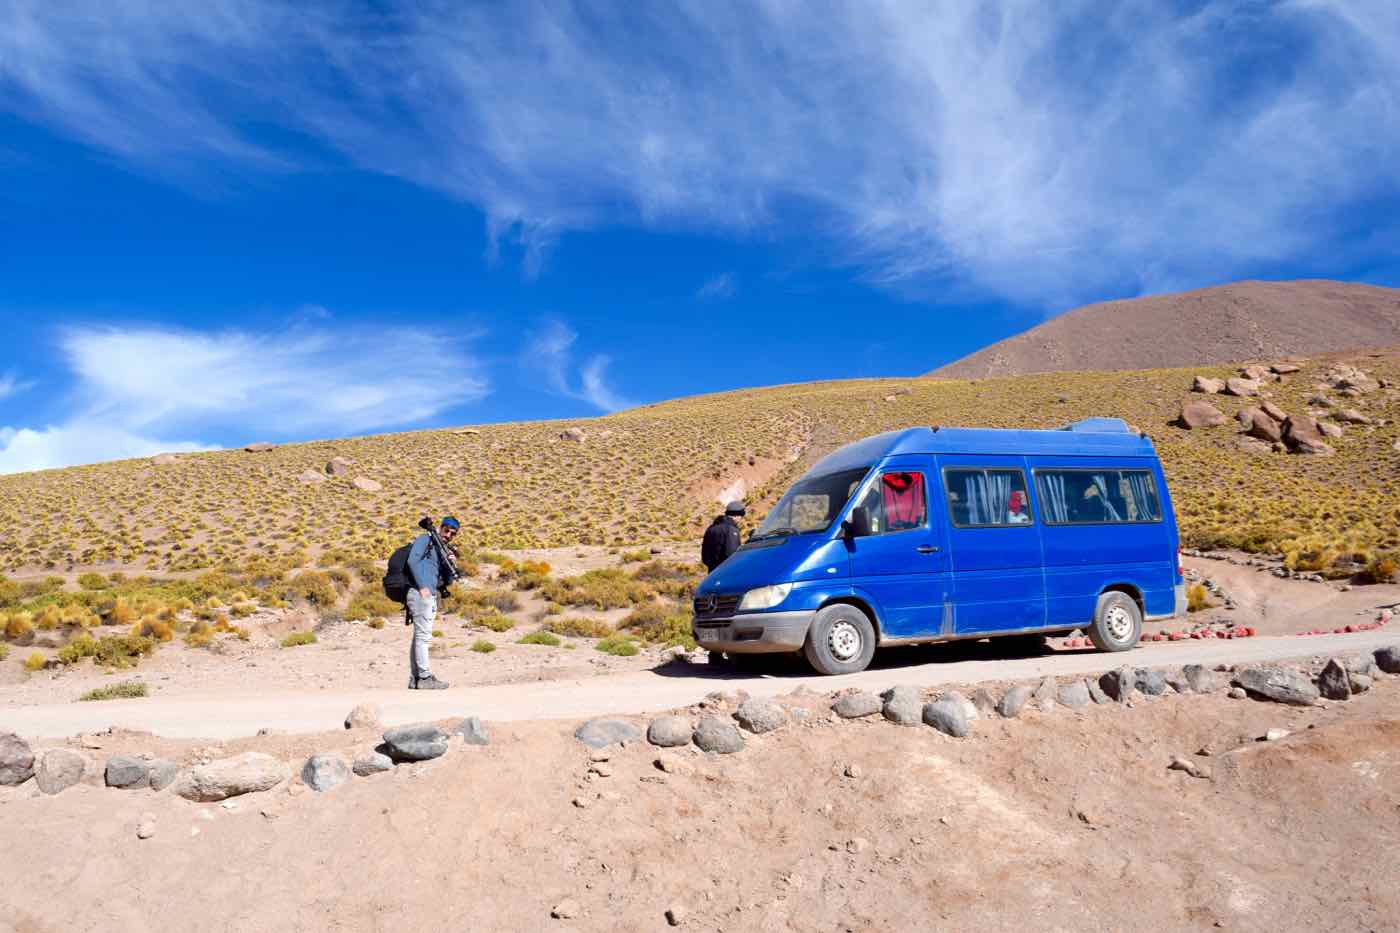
column 1055, row 821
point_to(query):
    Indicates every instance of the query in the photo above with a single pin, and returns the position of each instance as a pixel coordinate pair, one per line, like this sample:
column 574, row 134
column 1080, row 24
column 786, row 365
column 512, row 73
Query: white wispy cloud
column 717, row 288
column 11, row 385
column 1043, row 151
column 550, row 352
column 139, row 391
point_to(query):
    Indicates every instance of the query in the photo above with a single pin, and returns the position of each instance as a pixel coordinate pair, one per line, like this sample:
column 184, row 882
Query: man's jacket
column 721, row 540
column 423, row 564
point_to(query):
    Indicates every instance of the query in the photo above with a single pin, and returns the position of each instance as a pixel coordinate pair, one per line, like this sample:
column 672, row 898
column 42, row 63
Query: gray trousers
column 423, row 612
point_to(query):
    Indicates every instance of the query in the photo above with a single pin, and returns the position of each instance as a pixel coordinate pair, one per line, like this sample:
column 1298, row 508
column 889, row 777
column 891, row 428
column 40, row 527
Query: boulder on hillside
column 338, row 466
column 310, row 477
column 1273, row 411
column 1283, row 369
column 1196, row 415
column 1303, row 435
column 165, row 459
column 249, row 773
column 1208, row 385
column 1329, row 429
column 576, row 435
column 1255, row 373
column 1257, row 423
column 1244, row 388
column 1352, row 416
column 467, row 432
column 259, row 447
column 365, row 484
column 1252, row 445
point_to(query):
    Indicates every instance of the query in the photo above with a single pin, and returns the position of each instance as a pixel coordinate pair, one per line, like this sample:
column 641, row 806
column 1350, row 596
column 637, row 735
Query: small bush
column 634, row 557
column 312, row 586
column 84, row 646
column 152, row 627
column 370, row 603
column 375, row 623
column 93, row 581
column 126, row 690
column 19, row 626
column 482, row 646
column 496, row 622
column 618, row 645
column 657, row 624
column 4, row 651
column 1381, row 569
column 299, row 638
column 540, row 638
column 242, row 610
column 600, row 589
column 35, row 661
column 437, row 633
column 579, row 627
column 123, row 650
column 1197, row 598
column 471, row 603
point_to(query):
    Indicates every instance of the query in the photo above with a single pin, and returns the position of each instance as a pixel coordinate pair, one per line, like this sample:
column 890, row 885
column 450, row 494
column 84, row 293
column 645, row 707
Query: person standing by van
column 722, row 537
column 426, row 569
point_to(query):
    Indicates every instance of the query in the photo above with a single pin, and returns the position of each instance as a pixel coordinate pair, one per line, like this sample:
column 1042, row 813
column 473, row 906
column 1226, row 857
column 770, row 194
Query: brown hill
column 1240, row 321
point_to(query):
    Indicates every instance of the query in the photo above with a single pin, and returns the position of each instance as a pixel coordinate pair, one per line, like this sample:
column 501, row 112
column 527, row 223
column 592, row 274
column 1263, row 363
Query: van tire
column 1117, row 622
column 841, row 640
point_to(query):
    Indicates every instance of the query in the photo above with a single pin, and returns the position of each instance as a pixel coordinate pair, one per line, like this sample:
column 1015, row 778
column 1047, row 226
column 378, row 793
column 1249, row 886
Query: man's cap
column 450, row 522
column 735, row 508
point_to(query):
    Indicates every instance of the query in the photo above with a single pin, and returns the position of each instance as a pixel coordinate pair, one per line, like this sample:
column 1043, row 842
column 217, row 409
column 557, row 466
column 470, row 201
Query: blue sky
column 242, row 219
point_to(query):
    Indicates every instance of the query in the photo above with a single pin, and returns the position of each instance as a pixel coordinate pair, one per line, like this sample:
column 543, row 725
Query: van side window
column 979, row 498
column 1092, row 497
column 897, row 501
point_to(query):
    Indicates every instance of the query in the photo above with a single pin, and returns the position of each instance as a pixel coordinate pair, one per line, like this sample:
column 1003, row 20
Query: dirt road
column 231, row 714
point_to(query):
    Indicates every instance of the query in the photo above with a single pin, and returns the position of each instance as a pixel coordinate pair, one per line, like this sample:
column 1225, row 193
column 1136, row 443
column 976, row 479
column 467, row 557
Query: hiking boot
column 430, row 683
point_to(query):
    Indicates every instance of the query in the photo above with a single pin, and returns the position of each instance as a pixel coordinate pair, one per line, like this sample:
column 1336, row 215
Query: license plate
column 709, row 634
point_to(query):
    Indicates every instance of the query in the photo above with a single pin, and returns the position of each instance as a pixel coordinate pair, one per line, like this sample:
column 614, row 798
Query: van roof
column 1091, row 437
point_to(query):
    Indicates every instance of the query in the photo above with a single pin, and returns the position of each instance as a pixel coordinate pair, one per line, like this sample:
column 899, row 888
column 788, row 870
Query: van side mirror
column 860, row 522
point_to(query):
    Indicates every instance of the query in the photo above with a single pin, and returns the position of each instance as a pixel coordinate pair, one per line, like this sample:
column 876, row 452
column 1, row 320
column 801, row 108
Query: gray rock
column 1388, row 659
column 984, row 701
column 58, row 769
column 904, row 705
column 1014, row 701
column 1279, row 684
column 1075, row 694
column 970, row 712
column 947, row 715
column 1334, row 683
column 760, row 716
column 1202, row 679
column 16, row 760
column 249, row 773
column 1153, row 683
column 858, row 704
column 670, row 731
column 1096, row 692
column 1045, row 694
column 126, row 771
column 364, row 716
column 372, row 763
column 600, row 733
column 716, row 735
column 1360, row 683
column 324, row 772
column 1238, row 693
column 1119, row 684
column 162, row 773
column 1362, row 664
column 473, row 732
column 418, row 742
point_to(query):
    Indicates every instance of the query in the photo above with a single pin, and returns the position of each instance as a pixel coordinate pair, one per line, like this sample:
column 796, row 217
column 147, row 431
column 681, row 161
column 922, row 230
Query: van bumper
column 754, row 633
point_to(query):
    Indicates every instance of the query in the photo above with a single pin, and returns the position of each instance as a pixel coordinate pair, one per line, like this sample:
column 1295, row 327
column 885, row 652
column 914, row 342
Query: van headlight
column 765, row 597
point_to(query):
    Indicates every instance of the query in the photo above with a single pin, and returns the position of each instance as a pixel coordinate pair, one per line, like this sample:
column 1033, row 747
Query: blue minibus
column 939, row 534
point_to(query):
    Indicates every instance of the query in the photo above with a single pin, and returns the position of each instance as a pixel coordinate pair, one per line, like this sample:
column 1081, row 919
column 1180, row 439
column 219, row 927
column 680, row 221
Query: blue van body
column 964, row 567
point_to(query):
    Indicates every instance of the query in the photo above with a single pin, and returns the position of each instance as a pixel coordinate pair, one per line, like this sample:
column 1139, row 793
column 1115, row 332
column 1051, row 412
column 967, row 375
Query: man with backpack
column 722, row 537
column 429, row 569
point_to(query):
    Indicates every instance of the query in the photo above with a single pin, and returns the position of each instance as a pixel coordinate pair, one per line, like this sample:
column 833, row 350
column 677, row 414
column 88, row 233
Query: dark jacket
column 721, row 540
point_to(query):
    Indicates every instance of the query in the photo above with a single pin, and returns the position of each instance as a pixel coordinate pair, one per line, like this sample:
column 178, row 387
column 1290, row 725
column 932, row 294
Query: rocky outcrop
column 1197, row 415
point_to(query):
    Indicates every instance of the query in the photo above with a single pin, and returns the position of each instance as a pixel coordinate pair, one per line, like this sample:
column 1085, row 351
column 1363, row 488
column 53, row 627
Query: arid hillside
column 1240, row 321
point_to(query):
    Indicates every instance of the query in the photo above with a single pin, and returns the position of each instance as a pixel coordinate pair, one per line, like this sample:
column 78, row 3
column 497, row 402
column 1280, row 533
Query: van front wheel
column 841, row 640
column 1117, row 622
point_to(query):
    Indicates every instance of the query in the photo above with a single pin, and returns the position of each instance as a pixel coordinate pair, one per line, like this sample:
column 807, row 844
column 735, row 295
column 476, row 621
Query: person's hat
column 735, row 508
column 1018, row 499
column 450, row 522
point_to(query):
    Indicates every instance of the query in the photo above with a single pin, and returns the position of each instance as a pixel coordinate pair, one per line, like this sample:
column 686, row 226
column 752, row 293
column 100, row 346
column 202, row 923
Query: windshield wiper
column 776, row 533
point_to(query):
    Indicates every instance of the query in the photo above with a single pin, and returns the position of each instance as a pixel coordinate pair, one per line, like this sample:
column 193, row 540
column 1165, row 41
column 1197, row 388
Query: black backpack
column 397, row 582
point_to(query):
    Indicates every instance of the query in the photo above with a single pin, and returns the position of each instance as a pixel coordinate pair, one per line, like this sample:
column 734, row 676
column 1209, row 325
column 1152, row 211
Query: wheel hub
column 844, row 641
column 1119, row 623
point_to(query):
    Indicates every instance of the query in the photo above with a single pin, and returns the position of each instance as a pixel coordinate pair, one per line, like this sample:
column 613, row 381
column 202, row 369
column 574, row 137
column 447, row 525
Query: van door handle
column 928, row 549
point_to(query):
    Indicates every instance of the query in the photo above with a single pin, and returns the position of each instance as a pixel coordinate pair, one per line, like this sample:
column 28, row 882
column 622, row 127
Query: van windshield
column 812, row 504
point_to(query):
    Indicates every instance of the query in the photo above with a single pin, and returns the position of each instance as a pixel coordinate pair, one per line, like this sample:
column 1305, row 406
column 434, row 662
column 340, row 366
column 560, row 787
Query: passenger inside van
column 1016, row 513
column 903, row 500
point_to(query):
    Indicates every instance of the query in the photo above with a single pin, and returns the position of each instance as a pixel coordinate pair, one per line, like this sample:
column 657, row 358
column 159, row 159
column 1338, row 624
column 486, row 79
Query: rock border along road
column 234, row 715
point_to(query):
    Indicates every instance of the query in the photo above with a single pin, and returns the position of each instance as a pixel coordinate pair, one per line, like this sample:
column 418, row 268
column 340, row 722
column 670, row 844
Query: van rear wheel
column 841, row 640
column 1117, row 622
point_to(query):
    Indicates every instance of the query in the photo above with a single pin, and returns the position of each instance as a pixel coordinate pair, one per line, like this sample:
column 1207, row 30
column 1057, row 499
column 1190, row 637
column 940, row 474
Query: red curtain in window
column 904, row 500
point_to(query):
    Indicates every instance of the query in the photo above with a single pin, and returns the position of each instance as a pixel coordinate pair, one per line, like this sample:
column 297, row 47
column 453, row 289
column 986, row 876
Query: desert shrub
column 1381, row 568
column 154, row 627
column 437, row 633
column 242, row 610
column 472, row 603
column 120, row 612
column 340, row 577
column 312, row 586
column 495, row 622
column 299, row 638
column 375, row 623
column 35, row 661
column 200, row 635
column 126, row 690
column 633, row 557
column 9, row 592
column 83, row 646
column 370, row 603
column 225, row 627
column 123, row 650
column 540, row 637
column 579, row 627
column 530, row 581
column 93, row 581
column 600, row 589
column 1197, row 598
column 4, row 651
column 19, row 626
column 659, row 624
column 618, row 645
column 482, row 646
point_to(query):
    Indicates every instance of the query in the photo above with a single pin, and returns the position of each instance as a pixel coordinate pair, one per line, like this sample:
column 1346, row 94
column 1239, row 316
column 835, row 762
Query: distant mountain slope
column 1241, row 321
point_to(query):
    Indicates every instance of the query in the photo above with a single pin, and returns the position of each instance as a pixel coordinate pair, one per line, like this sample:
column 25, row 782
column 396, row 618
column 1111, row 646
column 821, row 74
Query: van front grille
column 716, row 606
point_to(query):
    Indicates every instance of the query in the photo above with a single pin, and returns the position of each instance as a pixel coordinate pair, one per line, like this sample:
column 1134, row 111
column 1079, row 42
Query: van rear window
column 1095, row 497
